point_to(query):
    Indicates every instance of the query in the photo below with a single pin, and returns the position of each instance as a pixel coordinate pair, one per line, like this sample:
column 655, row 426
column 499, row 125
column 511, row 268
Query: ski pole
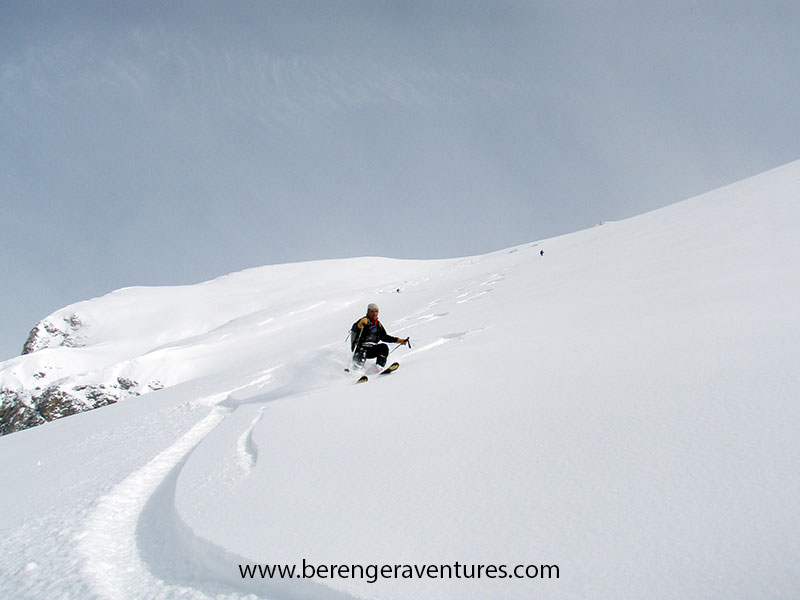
column 355, row 349
column 408, row 343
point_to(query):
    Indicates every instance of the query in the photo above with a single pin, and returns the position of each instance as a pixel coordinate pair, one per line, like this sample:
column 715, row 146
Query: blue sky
column 169, row 143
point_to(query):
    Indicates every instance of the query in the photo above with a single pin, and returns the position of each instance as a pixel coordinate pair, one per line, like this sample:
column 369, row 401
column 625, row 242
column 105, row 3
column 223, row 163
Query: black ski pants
column 378, row 351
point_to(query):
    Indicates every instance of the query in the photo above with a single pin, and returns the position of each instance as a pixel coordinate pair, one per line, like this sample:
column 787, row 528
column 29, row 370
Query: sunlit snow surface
column 624, row 406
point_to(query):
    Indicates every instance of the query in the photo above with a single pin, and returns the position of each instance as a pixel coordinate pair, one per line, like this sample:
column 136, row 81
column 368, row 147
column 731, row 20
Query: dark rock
column 21, row 409
column 47, row 334
column 125, row 384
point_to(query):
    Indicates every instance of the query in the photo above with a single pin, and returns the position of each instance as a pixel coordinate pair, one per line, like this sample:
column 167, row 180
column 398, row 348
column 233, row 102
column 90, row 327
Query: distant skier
column 541, row 252
column 365, row 335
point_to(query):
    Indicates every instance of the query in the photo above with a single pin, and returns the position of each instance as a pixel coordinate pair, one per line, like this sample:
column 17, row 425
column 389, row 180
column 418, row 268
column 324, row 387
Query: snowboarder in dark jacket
column 366, row 335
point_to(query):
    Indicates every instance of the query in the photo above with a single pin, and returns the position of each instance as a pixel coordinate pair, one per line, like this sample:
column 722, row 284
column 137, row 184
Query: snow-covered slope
column 623, row 406
column 137, row 340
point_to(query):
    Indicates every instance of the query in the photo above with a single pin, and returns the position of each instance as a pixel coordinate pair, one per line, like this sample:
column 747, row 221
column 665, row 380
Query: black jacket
column 369, row 334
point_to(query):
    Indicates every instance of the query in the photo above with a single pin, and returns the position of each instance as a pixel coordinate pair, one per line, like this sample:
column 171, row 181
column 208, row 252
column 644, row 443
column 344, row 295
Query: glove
column 403, row 341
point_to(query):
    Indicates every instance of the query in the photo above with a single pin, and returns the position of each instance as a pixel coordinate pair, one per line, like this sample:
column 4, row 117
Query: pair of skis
column 390, row 369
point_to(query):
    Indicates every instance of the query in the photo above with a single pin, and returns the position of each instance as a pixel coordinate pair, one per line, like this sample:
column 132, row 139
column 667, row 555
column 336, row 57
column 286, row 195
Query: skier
column 365, row 335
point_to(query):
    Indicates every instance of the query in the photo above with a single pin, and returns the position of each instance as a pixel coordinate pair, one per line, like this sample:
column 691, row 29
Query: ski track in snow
column 307, row 308
column 449, row 337
column 246, row 449
column 135, row 544
column 109, row 540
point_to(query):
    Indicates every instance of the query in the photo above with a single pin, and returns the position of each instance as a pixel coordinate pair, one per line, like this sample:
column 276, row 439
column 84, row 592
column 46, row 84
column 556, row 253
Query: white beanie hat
column 372, row 306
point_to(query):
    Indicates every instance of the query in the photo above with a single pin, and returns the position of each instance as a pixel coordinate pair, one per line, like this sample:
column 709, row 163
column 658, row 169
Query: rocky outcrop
column 44, row 395
column 50, row 333
column 21, row 409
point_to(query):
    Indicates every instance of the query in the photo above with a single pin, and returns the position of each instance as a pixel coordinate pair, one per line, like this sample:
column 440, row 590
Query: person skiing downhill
column 365, row 335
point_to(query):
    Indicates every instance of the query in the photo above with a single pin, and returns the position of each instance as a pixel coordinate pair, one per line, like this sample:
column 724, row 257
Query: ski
column 361, row 379
column 390, row 369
